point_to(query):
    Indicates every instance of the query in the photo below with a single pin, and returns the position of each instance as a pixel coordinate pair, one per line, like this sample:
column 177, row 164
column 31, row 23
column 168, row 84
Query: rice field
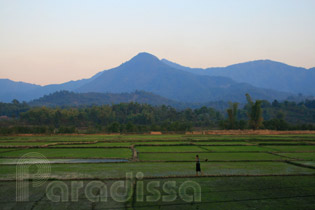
column 238, row 172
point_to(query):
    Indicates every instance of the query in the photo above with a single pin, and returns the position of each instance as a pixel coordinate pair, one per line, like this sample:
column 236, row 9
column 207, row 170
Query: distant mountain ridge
column 10, row 90
column 146, row 72
column 263, row 74
column 22, row 91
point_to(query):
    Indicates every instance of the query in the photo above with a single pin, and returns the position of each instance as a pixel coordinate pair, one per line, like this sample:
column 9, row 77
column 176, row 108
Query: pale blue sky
column 55, row 41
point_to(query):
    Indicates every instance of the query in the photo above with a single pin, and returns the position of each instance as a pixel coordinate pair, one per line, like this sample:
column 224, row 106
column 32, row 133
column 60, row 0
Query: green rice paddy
column 239, row 172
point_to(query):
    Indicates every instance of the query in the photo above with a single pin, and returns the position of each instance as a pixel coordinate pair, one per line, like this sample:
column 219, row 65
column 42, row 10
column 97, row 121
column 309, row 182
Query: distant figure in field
column 198, row 169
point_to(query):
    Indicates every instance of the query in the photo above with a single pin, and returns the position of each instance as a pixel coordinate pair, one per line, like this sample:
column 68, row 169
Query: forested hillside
column 71, row 99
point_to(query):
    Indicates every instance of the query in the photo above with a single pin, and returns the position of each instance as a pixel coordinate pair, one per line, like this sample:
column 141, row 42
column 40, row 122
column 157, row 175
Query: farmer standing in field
column 198, row 169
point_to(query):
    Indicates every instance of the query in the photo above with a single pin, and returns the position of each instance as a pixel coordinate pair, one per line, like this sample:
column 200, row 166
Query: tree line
column 123, row 117
column 262, row 114
column 132, row 117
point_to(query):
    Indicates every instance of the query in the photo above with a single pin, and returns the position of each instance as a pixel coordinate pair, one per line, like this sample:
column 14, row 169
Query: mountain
column 10, row 90
column 147, row 73
column 263, row 74
column 25, row 92
column 66, row 98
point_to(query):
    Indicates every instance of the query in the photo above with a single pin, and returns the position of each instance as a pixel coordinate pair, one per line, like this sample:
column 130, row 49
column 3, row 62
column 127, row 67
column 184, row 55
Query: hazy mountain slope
column 264, row 74
column 10, row 90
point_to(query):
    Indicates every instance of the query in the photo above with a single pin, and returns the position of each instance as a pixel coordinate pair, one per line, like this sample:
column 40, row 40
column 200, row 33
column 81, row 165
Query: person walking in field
column 198, row 169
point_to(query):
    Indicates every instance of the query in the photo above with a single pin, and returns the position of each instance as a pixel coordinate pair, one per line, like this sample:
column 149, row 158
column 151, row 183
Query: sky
column 55, row 41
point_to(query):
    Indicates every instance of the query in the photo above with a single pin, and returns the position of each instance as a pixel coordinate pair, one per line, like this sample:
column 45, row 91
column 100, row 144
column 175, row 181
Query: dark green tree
column 232, row 115
column 254, row 113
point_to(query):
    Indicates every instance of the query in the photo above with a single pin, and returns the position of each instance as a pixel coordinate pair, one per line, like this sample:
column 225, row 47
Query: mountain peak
column 144, row 57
